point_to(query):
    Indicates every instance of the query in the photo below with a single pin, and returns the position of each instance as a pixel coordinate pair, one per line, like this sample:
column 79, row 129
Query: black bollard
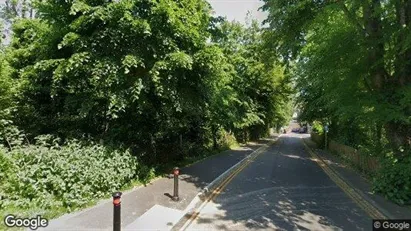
column 176, row 172
column 117, row 211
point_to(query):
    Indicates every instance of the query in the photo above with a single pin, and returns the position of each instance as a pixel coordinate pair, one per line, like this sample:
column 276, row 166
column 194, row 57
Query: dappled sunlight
column 284, row 211
column 305, row 158
column 329, row 162
column 313, row 222
column 293, row 156
column 277, row 208
column 284, row 189
column 243, row 148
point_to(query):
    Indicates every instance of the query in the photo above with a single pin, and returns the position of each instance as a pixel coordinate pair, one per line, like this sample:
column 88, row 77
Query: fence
column 366, row 164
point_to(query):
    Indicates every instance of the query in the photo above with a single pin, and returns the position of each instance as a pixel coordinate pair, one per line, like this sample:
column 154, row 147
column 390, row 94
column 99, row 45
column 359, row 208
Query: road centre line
column 221, row 187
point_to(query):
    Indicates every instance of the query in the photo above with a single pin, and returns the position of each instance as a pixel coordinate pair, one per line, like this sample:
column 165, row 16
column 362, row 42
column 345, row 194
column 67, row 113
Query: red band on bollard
column 117, row 201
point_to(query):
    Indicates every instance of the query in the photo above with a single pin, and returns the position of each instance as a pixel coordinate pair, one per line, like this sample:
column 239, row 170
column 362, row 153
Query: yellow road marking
column 221, row 187
column 214, row 194
column 363, row 204
column 371, row 210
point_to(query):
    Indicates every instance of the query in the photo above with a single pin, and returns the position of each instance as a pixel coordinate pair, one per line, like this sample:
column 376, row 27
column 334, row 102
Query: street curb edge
column 384, row 212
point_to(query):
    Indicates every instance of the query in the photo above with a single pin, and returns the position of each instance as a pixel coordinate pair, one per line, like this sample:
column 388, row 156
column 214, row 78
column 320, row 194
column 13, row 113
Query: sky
column 237, row 9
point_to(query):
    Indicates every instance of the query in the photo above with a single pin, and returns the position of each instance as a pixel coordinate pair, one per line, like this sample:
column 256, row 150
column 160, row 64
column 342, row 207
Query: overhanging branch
column 352, row 18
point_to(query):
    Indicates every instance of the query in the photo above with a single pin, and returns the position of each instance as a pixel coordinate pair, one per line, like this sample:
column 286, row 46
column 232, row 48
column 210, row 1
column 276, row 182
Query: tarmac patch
column 157, row 218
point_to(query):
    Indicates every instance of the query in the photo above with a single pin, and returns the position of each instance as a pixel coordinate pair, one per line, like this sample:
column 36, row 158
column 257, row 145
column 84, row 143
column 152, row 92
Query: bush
column 226, row 140
column 146, row 174
column 394, row 180
column 6, row 168
column 48, row 175
column 317, row 127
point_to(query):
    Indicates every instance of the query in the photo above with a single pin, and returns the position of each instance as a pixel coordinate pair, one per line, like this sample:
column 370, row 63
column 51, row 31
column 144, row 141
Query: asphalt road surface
column 282, row 189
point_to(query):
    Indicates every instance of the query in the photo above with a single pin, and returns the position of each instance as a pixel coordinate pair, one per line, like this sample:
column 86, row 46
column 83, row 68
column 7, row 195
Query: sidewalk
column 360, row 184
column 145, row 206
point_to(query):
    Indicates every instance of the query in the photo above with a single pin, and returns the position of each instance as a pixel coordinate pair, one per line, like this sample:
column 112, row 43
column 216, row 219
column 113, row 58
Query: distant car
column 295, row 130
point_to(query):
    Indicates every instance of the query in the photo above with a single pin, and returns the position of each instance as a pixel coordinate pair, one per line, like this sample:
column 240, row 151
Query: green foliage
column 146, row 174
column 9, row 133
column 48, row 175
column 261, row 87
column 105, row 69
column 163, row 78
column 350, row 63
column 394, row 180
column 12, row 9
column 109, row 68
column 317, row 127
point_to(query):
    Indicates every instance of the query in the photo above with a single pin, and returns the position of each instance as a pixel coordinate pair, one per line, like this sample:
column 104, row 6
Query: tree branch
column 352, row 17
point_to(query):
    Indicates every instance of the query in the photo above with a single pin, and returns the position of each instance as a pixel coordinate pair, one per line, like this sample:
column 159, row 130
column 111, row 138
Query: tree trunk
column 407, row 74
column 153, row 148
column 378, row 136
column 181, row 141
column 399, row 134
column 374, row 40
column 214, row 131
column 402, row 64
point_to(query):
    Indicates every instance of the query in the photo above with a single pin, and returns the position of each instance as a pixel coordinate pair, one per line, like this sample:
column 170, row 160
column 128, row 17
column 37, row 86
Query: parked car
column 295, row 130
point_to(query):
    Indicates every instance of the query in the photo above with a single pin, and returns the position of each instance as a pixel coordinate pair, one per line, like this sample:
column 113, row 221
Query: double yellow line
column 355, row 196
column 222, row 185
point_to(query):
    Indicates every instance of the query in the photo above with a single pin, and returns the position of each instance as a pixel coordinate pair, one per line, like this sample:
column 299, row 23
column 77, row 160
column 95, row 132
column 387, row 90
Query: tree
column 12, row 9
column 261, row 86
column 351, row 62
column 102, row 68
column 365, row 46
column 143, row 74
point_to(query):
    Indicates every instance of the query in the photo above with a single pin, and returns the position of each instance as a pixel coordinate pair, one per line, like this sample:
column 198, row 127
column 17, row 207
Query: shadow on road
column 204, row 172
column 283, row 189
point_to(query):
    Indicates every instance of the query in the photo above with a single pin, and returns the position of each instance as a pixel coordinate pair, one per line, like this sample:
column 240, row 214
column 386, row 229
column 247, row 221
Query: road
column 282, row 189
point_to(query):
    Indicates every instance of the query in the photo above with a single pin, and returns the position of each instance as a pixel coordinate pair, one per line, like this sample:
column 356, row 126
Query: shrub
column 318, row 127
column 146, row 174
column 226, row 140
column 394, row 180
column 6, row 168
column 48, row 175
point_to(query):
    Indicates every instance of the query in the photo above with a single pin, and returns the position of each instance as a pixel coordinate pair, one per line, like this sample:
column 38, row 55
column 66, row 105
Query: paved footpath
column 149, row 207
column 284, row 188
